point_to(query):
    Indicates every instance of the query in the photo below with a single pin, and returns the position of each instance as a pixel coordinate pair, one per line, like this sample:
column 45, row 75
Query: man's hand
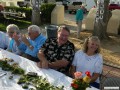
column 43, row 61
column 43, row 64
column 16, row 38
column 39, row 64
column 25, row 40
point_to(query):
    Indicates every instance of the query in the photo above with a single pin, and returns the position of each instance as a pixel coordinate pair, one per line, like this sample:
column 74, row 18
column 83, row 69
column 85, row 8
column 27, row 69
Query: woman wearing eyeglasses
column 11, row 30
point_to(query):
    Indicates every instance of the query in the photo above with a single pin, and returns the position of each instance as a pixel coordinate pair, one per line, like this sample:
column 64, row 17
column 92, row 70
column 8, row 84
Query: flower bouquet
column 80, row 83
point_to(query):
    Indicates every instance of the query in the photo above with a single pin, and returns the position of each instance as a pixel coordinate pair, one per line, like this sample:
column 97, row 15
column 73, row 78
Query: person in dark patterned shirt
column 57, row 53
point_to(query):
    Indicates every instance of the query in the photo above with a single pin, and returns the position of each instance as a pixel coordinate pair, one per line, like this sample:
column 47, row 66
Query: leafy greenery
column 38, row 82
column 31, row 78
column 46, row 10
column 2, row 27
column 79, row 84
column 15, row 69
column 26, row 11
column 20, row 23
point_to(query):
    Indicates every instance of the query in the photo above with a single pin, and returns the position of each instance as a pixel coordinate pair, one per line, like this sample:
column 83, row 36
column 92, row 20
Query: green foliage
column 20, row 23
column 59, row 0
column 2, row 27
column 4, row 64
column 46, row 10
column 79, row 84
column 38, row 82
column 27, row 11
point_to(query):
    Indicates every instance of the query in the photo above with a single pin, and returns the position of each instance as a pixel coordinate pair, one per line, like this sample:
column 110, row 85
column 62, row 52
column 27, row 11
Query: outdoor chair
column 107, row 80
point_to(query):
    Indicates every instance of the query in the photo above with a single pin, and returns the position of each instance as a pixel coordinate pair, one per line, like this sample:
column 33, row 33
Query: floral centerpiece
column 80, row 83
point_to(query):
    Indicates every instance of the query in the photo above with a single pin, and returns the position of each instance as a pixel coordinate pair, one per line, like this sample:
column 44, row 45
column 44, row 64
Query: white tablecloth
column 54, row 77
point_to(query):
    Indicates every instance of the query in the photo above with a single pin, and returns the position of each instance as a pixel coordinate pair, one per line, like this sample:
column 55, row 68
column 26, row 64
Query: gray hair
column 13, row 27
column 91, row 38
column 34, row 28
column 63, row 27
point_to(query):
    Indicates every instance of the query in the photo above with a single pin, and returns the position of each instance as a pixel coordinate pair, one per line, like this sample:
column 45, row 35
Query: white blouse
column 84, row 63
column 14, row 48
column 4, row 40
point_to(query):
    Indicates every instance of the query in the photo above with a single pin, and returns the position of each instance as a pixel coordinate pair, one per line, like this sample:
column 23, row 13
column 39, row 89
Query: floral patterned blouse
column 55, row 52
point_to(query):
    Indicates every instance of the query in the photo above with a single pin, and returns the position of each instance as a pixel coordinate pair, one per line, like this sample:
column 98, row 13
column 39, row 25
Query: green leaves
column 29, row 79
column 7, row 67
column 38, row 82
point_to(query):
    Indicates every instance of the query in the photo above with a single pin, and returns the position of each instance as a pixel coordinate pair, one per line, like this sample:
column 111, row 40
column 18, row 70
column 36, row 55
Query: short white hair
column 12, row 27
column 34, row 28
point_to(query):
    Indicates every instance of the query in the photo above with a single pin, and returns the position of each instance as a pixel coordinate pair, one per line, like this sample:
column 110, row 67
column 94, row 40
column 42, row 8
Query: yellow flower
column 87, row 79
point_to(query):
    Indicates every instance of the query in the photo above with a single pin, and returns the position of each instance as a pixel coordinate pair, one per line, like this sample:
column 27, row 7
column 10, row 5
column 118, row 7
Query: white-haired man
column 31, row 45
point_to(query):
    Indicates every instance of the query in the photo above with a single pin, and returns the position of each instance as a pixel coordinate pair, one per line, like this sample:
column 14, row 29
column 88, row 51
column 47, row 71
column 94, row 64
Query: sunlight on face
column 10, row 33
column 32, row 34
column 93, row 45
column 63, row 36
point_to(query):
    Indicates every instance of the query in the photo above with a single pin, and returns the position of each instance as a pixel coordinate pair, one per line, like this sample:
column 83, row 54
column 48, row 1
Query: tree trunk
column 45, row 1
column 95, row 2
column 101, row 21
column 36, row 20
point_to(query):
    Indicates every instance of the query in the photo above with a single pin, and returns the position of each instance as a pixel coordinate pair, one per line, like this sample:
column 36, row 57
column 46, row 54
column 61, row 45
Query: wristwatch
column 30, row 46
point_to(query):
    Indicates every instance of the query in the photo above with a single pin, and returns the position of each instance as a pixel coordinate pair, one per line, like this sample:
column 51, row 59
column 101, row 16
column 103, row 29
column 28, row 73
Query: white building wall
column 115, row 1
column 10, row 2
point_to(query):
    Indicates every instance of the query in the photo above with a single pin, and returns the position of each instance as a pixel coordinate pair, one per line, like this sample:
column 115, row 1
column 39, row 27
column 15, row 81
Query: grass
column 20, row 23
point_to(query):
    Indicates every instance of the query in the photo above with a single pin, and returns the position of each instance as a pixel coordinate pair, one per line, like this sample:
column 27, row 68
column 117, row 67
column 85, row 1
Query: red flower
column 74, row 85
column 88, row 73
column 78, row 83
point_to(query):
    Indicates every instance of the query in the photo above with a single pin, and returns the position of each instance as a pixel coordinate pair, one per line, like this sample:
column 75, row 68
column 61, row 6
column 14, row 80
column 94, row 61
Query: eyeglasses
column 64, row 35
column 10, row 32
column 29, row 33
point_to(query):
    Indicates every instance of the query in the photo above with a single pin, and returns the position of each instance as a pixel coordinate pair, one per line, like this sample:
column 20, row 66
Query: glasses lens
column 10, row 32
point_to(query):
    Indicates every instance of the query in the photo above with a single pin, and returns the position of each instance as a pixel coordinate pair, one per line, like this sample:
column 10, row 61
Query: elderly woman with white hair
column 12, row 47
column 31, row 45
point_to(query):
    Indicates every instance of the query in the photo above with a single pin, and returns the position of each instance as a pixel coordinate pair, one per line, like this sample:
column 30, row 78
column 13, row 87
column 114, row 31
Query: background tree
column 103, row 15
column 45, row 1
column 36, row 12
column 95, row 2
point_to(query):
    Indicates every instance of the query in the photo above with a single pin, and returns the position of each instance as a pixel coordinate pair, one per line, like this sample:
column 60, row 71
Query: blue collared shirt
column 37, row 43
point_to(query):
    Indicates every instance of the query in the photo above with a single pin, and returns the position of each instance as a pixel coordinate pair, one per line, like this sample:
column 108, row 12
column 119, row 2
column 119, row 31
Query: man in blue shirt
column 30, row 46
column 79, row 18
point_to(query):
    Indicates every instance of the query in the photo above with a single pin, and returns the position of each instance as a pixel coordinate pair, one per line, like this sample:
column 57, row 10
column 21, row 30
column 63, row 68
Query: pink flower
column 78, row 75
